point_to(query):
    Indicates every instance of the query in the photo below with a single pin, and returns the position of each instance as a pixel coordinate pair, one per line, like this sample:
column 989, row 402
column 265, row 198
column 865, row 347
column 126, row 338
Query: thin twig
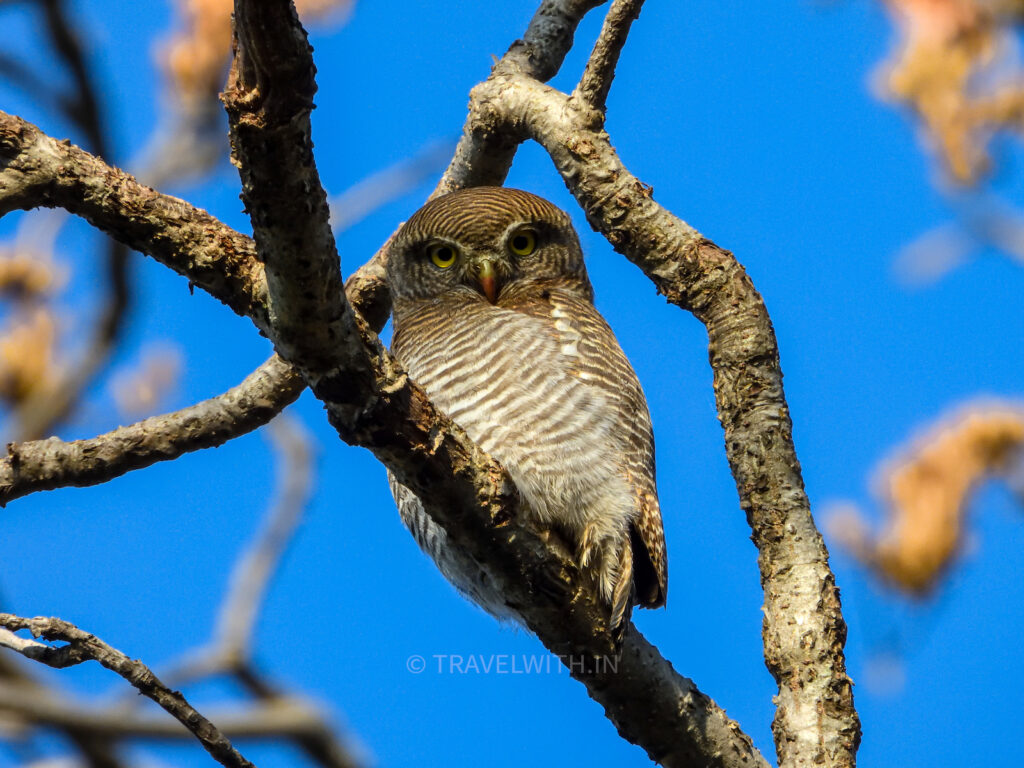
column 600, row 70
column 81, row 646
column 268, row 98
column 47, row 464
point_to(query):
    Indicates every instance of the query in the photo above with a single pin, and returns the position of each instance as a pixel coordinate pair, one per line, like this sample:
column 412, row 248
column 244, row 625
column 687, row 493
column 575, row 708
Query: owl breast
column 512, row 381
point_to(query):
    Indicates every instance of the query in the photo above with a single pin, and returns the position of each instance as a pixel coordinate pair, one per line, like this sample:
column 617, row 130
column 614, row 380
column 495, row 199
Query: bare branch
column 378, row 189
column 468, row 493
column 47, row 464
column 38, row 171
column 272, row 719
column 85, row 647
column 268, row 99
column 368, row 290
column 597, row 77
column 38, row 416
column 484, row 158
column 804, row 630
column 97, row 749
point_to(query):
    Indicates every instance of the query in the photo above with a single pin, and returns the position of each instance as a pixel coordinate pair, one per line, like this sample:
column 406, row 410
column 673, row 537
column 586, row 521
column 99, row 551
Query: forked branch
column 372, row 403
column 81, row 646
column 804, row 632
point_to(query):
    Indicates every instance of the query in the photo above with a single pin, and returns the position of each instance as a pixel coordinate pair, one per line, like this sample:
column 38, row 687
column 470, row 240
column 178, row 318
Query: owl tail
column 622, row 595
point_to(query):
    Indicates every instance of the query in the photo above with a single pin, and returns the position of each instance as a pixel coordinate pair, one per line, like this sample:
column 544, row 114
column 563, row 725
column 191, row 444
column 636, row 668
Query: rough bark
column 81, row 646
column 804, row 631
column 42, row 465
column 372, row 403
column 467, row 492
column 38, row 171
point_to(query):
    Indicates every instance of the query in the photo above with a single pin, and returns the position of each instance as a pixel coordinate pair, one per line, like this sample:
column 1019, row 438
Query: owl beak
column 488, row 279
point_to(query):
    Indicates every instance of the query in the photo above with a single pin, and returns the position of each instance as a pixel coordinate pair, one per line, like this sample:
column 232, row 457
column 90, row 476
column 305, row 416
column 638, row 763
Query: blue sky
column 752, row 121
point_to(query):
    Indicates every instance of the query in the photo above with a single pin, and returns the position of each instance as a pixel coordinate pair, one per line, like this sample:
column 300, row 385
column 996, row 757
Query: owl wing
column 597, row 359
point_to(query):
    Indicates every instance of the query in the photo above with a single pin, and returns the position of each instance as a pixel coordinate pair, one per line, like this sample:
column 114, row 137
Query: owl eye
column 523, row 242
column 442, row 254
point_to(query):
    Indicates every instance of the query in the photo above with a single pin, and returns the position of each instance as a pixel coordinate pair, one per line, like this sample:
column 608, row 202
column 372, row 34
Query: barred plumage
column 506, row 340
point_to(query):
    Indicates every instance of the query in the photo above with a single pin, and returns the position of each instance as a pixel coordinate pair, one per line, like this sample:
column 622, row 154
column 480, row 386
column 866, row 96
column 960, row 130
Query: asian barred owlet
column 494, row 318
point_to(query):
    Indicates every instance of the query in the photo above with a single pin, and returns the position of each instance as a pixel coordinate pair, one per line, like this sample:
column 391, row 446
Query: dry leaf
column 926, row 493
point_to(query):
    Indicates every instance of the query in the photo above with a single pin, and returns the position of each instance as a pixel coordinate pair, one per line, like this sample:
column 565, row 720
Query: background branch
column 81, row 646
column 434, row 458
column 229, row 652
column 40, row 414
column 468, row 493
column 43, row 465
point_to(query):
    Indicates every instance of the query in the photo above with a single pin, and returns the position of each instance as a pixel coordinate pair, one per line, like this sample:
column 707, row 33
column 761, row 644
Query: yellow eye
column 523, row 242
column 442, row 254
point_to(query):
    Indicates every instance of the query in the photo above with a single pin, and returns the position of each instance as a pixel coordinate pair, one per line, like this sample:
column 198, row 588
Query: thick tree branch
column 804, row 632
column 600, row 70
column 384, row 411
column 268, row 99
column 43, row 465
column 467, row 492
column 38, row 171
column 81, row 646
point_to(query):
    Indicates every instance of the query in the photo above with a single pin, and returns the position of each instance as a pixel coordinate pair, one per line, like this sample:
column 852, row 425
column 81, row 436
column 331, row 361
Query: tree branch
column 85, row 647
column 391, row 416
column 482, row 157
column 804, row 632
column 600, row 70
column 41, row 413
column 43, row 465
column 38, row 171
column 252, row 572
column 268, row 99
column 468, row 493
column 278, row 718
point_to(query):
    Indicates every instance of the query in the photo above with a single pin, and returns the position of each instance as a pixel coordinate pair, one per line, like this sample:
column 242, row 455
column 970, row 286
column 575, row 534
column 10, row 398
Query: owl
column 494, row 318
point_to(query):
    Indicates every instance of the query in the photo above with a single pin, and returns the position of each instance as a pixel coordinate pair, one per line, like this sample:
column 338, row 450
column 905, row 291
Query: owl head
column 485, row 244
